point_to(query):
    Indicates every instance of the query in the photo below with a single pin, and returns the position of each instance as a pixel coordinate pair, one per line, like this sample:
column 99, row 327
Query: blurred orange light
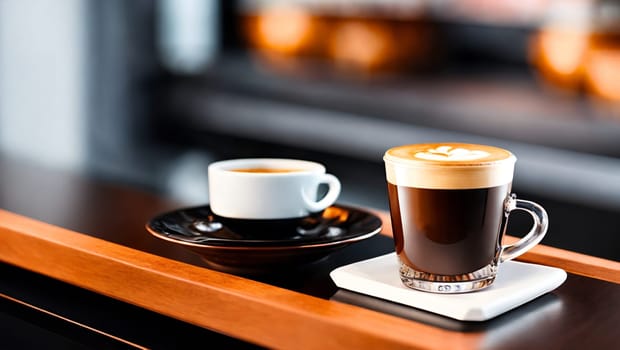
column 563, row 49
column 359, row 44
column 558, row 53
column 603, row 73
column 285, row 29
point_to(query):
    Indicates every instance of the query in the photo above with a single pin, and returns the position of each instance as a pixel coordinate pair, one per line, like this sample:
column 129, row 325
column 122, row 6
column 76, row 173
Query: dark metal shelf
column 566, row 149
column 508, row 105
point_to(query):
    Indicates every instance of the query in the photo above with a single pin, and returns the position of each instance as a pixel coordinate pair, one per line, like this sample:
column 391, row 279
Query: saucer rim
column 266, row 247
column 206, row 245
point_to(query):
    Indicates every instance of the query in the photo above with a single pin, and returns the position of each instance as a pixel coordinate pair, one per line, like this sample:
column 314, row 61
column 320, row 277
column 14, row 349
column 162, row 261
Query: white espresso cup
column 269, row 188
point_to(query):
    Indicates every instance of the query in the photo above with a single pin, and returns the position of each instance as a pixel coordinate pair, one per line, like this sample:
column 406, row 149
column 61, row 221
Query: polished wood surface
column 232, row 305
column 91, row 234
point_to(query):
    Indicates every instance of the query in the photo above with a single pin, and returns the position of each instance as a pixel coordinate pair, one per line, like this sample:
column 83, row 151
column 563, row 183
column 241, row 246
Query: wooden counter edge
column 572, row 262
column 256, row 312
column 245, row 309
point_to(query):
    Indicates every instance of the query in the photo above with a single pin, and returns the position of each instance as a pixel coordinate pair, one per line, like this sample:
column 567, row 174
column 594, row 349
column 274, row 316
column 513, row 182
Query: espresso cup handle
column 536, row 234
column 332, row 194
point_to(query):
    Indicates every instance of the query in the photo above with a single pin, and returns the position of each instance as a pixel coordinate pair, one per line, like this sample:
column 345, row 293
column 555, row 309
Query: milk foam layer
column 451, row 154
column 449, row 166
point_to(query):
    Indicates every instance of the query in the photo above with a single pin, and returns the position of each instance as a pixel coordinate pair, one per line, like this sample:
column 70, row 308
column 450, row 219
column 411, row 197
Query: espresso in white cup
column 269, row 188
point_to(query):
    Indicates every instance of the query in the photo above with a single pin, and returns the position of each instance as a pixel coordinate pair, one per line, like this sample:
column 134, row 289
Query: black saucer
column 274, row 246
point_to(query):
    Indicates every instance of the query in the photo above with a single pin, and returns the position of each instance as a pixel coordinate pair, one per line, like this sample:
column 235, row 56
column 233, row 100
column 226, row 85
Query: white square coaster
column 516, row 284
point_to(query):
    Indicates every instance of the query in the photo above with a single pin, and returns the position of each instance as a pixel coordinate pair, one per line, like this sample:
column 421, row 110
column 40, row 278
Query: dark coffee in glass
column 449, row 206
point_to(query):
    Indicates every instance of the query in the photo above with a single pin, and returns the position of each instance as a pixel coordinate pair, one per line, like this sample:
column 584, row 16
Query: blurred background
column 148, row 93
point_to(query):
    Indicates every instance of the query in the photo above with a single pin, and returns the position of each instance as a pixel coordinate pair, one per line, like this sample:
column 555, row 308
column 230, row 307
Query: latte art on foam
column 449, row 153
column 449, row 165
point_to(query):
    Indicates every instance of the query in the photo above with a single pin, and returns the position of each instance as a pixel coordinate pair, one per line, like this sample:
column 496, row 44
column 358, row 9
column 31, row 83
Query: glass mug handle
column 332, row 194
column 536, row 234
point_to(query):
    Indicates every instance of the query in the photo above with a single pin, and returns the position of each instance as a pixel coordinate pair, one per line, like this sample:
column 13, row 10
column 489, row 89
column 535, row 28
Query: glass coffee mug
column 449, row 205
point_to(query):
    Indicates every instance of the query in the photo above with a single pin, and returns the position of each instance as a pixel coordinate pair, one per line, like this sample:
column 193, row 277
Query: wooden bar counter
column 87, row 234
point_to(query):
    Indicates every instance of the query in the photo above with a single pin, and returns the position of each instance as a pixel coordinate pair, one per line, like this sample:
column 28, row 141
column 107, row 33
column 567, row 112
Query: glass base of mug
column 448, row 284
